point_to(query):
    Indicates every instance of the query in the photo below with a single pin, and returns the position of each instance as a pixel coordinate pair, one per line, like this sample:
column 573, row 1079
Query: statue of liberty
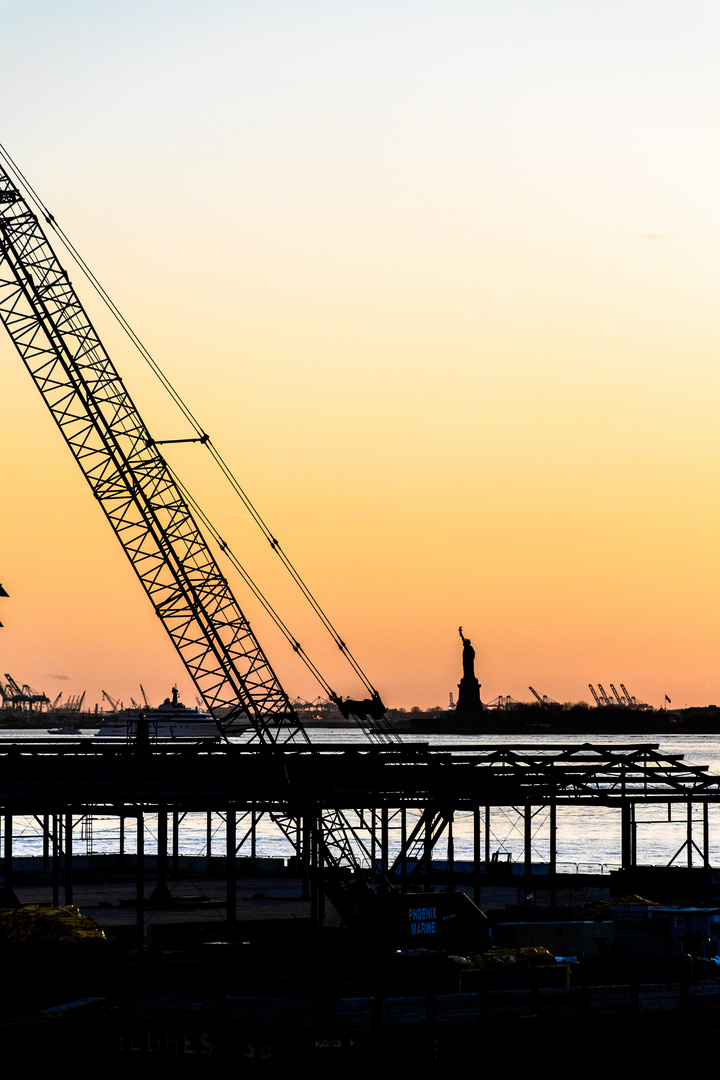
column 469, row 705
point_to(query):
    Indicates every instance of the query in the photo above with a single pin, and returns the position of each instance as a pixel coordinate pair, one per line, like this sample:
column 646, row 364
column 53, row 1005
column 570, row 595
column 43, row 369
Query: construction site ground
column 112, row 903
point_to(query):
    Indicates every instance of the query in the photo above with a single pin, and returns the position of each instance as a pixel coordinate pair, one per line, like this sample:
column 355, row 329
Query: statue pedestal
column 469, row 705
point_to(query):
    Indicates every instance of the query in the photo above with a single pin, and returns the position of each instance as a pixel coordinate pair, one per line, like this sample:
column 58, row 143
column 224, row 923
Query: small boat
column 171, row 720
column 64, row 731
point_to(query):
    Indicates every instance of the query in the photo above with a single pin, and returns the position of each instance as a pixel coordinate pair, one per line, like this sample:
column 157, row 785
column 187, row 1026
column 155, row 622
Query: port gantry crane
column 144, row 502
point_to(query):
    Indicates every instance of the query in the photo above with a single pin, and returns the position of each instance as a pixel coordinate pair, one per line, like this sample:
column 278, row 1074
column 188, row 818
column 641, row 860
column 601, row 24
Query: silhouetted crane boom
column 131, row 480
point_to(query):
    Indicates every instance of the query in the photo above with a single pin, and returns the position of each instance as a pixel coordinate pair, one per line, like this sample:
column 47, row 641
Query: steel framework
column 372, row 782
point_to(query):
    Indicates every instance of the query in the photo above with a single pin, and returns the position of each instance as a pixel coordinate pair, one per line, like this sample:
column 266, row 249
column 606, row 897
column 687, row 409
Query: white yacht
column 171, row 720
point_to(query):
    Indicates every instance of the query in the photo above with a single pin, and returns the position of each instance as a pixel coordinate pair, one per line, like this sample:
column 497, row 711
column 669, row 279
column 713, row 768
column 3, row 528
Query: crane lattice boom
column 131, row 480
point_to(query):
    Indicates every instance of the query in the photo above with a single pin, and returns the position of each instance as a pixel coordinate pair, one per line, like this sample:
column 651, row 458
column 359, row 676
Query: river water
column 588, row 839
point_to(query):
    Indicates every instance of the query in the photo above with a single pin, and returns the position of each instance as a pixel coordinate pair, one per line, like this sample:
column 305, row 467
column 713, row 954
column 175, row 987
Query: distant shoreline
column 522, row 719
column 578, row 719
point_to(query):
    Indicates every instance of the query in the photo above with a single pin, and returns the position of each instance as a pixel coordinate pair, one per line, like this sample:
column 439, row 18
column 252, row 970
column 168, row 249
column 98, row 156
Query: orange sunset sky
column 440, row 280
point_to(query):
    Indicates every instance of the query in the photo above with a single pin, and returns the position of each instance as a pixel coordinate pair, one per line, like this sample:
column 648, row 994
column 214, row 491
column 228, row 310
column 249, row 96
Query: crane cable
column 203, row 438
column 225, row 548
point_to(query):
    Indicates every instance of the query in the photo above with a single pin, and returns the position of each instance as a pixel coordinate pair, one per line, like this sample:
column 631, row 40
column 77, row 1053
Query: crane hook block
column 370, row 708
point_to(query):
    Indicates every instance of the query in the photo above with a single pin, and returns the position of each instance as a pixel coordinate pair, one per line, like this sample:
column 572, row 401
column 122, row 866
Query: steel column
column 140, row 877
column 68, row 857
column 553, row 854
column 231, row 864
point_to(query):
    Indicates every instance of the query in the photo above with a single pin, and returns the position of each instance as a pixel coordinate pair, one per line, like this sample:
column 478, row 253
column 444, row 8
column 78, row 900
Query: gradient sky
column 440, row 281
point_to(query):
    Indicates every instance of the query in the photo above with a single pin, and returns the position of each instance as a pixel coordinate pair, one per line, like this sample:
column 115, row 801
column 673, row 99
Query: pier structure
column 393, row 805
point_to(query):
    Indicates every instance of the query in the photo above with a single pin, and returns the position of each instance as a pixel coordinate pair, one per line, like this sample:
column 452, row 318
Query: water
column 587, row 838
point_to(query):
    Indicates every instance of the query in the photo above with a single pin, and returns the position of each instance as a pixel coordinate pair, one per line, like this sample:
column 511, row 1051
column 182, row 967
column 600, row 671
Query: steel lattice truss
column 131, row 480
column 40, row 773
column 587, row 773
column 342, row 790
